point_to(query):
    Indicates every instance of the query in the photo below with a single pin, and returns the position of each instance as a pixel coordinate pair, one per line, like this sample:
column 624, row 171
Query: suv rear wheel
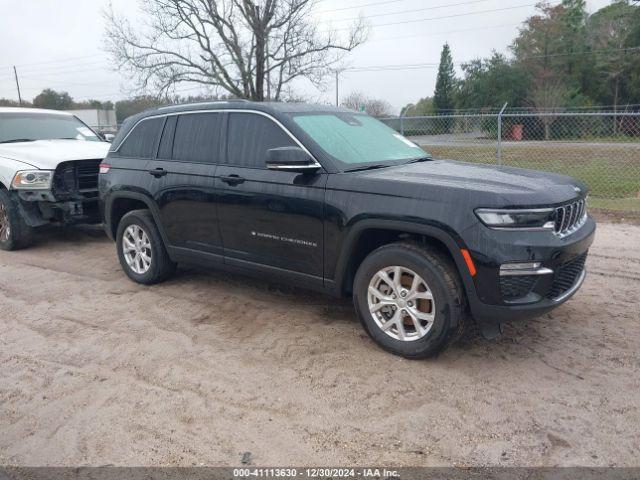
column 409, row 299
column 14, row 232
column 141, row 251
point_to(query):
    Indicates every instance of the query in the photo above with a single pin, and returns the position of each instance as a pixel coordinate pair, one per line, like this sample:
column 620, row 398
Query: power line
column 434, row 34
column 447, row 16
column 50, row 61
column 374, row 4
column 437, row 7
column 418, row 66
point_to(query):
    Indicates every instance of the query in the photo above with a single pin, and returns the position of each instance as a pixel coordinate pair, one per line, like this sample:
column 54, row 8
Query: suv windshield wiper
column 418, row 160
column 368, row 167
column 16, row 140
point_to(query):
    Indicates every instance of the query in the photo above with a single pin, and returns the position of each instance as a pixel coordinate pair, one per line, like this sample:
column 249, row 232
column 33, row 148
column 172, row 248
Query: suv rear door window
column 250, row 136
column 143, row 139
column 197, row 137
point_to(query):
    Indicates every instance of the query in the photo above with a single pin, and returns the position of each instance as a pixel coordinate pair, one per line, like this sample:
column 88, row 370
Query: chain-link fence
column 601, row 149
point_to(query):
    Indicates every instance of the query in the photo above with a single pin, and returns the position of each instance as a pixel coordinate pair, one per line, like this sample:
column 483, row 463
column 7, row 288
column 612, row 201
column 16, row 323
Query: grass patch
column 618, row 204
column 611, row 172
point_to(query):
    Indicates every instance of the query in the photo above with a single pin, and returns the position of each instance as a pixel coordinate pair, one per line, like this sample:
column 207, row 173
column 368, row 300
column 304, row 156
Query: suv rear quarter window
column 249, row 137
column 143, row 139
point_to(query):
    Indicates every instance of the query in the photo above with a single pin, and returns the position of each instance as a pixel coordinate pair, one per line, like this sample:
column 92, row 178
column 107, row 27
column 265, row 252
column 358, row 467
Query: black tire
column 20, row 235
column 161, row 265
column 441, row 276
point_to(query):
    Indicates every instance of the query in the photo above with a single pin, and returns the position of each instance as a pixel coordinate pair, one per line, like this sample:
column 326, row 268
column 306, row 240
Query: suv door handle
column 158, row 172
column 232, row 179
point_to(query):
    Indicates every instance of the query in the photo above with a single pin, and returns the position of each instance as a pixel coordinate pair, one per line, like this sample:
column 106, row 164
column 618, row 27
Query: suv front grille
column 569, row 218
column 566, row 276
column 76, row 180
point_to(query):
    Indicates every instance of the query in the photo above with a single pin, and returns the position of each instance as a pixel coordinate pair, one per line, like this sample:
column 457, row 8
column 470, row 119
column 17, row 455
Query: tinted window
column 166, row 142
column 143, row 139
column 197, row 137
column 250, row 136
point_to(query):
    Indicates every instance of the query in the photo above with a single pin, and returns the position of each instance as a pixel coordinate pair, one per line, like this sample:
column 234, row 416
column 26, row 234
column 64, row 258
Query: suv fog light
column 524, row 268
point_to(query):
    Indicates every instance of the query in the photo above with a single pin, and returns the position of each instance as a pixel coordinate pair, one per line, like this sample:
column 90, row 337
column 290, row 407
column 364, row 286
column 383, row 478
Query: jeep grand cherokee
column 333, row 200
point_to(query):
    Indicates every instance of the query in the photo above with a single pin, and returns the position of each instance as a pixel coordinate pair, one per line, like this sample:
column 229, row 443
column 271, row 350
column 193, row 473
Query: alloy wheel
column 136, row 248
column 5, row 226
column 401, row 303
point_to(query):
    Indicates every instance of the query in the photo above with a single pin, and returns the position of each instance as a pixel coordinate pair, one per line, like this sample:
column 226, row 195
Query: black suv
column 329, row 199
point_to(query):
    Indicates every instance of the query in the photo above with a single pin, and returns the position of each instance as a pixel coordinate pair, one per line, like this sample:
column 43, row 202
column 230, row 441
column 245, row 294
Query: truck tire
column 14, row 232
column 141, row 251
column 410, row 299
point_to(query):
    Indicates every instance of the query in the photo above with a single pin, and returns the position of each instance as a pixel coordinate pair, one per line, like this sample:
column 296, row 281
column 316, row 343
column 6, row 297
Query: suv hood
column 484, row 185
column 47, row 154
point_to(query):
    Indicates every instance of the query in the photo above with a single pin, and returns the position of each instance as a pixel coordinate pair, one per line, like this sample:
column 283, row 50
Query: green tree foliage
column 423, row 107
column 49, row 98
column 562, row 57
column 126, row 108
column 444, row 95
column 491, row 82
column 610, row 32
column 7, row 102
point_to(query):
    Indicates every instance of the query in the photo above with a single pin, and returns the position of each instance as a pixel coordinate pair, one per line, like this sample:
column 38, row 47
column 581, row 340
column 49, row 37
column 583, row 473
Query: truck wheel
column 141, row 251
column 14, row 232
column 410, row 299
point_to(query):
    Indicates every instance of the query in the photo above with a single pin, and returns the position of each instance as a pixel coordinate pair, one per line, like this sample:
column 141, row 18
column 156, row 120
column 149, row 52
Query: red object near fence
column 516, row 132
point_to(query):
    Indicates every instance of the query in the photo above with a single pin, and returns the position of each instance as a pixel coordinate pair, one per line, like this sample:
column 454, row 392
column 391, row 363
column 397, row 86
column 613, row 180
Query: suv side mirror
column 292, row 159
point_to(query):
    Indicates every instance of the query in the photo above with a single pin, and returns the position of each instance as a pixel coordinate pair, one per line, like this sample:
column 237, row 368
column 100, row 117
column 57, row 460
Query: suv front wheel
column 409, row 299
column 141, row 251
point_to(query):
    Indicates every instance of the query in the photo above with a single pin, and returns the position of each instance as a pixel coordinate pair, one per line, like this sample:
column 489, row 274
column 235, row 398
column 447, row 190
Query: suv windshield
column 357, row 139
column 25, row 127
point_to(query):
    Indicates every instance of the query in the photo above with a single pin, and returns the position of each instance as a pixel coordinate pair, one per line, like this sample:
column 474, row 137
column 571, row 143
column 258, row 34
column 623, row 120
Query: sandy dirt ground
column 95, row 370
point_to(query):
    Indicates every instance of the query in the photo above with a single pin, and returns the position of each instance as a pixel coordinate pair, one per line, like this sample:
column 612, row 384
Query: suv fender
column 440, row 232
column 148, row 201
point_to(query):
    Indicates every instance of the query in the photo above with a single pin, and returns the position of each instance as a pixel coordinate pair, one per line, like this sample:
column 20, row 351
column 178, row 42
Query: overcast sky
column 59, row 44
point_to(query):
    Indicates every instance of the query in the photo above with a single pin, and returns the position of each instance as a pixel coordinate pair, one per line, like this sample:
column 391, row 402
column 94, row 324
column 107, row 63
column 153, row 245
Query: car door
column 184, row 186
column 268, row 217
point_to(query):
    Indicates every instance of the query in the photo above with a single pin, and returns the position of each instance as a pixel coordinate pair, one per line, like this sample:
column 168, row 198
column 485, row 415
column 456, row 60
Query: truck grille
column 566, row 276
column 569, row 218
column 76, row 180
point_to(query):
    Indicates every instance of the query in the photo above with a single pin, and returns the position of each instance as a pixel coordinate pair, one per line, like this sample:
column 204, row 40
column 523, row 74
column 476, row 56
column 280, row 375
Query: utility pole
column 337, row 88
column 15, row 73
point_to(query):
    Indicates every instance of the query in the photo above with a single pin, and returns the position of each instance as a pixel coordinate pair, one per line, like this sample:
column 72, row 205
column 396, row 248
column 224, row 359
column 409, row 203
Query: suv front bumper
column 499, row 299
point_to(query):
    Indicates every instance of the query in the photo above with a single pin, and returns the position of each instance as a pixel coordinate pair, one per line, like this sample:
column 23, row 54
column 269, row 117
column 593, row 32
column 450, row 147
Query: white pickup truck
column 49, row 163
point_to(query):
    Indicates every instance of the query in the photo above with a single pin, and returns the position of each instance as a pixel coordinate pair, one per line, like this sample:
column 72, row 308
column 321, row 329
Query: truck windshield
column 25, row 127
column 357, row 139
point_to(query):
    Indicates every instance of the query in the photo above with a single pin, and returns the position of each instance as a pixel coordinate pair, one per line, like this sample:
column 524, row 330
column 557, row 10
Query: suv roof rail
column 231, row 100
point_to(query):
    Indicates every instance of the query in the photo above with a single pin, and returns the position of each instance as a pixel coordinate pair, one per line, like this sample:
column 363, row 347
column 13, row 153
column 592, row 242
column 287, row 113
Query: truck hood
column 47, row 154
column 484, row 185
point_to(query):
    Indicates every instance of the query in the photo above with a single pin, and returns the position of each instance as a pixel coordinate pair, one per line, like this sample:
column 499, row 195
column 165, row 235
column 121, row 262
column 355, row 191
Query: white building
column 103, row 121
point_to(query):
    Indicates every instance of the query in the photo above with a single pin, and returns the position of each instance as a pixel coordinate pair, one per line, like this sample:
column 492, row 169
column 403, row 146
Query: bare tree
column 248, row 48
column 548, row 96
column 373, row 106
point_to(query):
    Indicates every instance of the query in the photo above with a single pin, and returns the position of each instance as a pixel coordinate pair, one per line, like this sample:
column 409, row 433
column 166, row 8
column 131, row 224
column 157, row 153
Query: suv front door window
column 266, row 216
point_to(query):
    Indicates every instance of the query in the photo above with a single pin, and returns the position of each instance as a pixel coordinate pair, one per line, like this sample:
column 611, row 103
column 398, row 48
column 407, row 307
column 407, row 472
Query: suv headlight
column 32, row 180
column 529, row 219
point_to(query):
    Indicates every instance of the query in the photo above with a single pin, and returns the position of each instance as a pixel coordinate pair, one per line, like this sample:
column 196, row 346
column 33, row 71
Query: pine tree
column 444, row 95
